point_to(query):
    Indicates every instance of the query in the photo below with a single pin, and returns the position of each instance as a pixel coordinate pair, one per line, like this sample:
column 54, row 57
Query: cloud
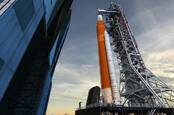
column 163, row 57
column 168, row 80
column 73, row 81
column 169, row 71
column 153, row 26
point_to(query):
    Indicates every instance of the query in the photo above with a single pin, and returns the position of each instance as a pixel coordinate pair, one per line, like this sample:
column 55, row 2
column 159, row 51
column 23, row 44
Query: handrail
column 139, row 75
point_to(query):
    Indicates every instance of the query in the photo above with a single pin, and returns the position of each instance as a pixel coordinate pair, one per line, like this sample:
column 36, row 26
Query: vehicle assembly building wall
column 50, row 5
column 29, row 51
column 16, row 35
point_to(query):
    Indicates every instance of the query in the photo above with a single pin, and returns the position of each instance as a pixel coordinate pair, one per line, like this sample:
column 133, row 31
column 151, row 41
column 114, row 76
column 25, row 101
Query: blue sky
column 152, row 23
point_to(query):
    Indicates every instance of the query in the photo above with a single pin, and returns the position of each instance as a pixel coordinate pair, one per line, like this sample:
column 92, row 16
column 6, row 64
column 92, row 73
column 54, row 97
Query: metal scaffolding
column 139, row 87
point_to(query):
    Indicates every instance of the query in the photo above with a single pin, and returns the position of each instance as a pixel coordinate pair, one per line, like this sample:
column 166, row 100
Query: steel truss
column 139, row 87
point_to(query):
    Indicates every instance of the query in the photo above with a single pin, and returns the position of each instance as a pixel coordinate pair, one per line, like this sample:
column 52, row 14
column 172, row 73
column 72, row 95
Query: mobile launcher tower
column 137, row 90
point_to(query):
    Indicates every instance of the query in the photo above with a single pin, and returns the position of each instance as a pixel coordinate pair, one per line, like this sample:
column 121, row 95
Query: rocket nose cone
column 100, row 17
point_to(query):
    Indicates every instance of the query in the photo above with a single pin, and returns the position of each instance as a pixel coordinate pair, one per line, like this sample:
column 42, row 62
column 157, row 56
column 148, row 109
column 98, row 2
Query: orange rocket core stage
column 104, row 70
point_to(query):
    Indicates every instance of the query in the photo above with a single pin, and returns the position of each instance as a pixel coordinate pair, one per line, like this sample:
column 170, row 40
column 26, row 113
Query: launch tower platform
column 119, row 110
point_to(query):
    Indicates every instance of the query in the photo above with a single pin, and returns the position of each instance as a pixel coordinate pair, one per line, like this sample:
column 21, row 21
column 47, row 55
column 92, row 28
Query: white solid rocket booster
column 115, row 81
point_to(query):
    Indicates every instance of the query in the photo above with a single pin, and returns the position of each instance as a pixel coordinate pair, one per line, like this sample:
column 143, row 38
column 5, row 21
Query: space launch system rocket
column 104, row 69
column 109, row 83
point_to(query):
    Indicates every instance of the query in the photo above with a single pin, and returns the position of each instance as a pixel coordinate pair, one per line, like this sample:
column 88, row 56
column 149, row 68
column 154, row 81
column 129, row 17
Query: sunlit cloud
column 72, row 84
